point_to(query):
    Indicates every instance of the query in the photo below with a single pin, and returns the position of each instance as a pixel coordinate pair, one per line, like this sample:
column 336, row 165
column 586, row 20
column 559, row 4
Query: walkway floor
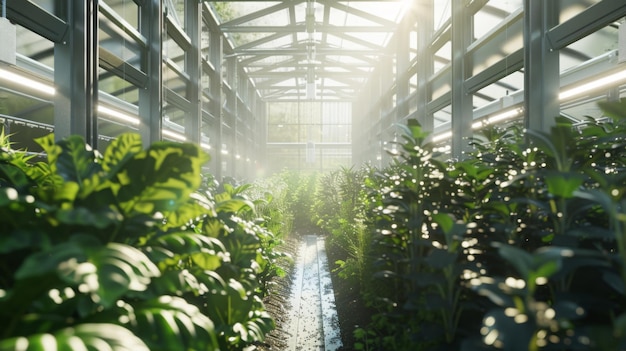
column 313, row 322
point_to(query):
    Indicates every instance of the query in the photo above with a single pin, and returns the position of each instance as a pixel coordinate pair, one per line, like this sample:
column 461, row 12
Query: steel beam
column 587, row 22
column 301, row 28
column 38, row 20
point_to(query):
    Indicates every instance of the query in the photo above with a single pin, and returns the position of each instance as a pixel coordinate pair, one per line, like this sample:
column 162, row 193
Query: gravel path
column 313, row 323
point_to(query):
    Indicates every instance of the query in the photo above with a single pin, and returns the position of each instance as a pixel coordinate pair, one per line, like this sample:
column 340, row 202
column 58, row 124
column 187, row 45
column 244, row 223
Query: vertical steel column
column 215, row 57
column 374, row 115
column 425, row 60
column 260, row 116
column 76, row 72
column 462, row 109
column 151, row 98
column 232, row 109
column 403, row 48
column 385, row 74
column 541, row 65
column 193, row 63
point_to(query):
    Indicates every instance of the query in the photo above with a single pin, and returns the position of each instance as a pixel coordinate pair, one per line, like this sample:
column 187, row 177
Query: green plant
column 339, row 210
column 120, row 251
column 525, row 234
column 566, row 288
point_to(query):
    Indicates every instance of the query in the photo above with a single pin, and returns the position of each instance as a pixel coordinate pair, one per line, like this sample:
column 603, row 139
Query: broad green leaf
column 445, row 221
column 520, row 259
column 85, row 217
column 440, row 259
column 189, row 212
column 77, row 161
column 171, row 323
column 616, row 110
column 207, row 252
column 120, row 269
column 66, row 191
column 234, row 206
column 563, row 184
column 104, row 272
column 93, row 337
column 13, row 176
column 161, row 178
column 179, row 282
column 51, row 149
column 19, row 239
column 50, row 260
column 122, row 149
column 507, row 332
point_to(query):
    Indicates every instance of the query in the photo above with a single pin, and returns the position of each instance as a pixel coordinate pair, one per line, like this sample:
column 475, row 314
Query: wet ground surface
column 312, row 319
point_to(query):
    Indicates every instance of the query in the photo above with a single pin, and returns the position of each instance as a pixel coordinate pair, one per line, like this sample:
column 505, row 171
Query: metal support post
column 462, row 108
column 403, row 48
column 151, row 98
column 193, row 63
column 425, row 60
column 76, row 72
column 541, row 65
column 215, row 57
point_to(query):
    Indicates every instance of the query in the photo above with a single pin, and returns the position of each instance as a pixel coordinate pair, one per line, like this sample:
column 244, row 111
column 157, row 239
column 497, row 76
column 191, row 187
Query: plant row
column 521, row 245
column 133, row 249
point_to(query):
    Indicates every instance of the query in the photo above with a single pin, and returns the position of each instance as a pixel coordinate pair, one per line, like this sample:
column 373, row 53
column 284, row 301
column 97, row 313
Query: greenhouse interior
column 461, row 163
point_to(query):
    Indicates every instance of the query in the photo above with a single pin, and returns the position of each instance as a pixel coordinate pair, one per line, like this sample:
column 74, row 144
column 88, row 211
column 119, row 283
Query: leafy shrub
column 519, row 246
column 122, row 250
column 339, row 210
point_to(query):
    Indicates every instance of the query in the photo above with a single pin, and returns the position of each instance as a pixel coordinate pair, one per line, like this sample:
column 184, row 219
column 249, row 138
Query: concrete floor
column 313, row 322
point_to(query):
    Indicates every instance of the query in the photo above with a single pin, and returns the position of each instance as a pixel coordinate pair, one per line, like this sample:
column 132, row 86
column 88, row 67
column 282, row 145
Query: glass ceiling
column 327, row 49
column 323, row 49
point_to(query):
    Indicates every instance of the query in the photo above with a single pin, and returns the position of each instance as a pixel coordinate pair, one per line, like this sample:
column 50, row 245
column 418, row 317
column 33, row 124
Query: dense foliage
column 130, row 250
column 519, row 246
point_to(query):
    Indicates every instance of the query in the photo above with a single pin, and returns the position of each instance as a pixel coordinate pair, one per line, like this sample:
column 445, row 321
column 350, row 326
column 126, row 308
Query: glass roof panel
column 305, row 33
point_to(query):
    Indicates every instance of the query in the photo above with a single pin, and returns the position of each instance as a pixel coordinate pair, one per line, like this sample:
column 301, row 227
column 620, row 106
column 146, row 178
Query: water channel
column 312, row 324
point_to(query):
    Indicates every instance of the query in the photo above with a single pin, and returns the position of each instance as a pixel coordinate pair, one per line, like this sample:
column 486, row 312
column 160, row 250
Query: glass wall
column 308, row 135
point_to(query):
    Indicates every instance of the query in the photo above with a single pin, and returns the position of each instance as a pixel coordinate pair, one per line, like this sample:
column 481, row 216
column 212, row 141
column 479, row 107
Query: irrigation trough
column 313, row 322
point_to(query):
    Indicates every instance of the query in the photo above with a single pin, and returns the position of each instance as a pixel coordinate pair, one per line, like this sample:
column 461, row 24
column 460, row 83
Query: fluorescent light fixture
column 27, row 82
column 599, row 83
column 477, row 125
column 118, row 115
column 505, row 115
column 442, row 136
column 205, row 146
column 174, row 135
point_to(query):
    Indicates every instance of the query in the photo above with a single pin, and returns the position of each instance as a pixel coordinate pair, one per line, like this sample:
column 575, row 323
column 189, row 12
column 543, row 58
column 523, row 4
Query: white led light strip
column 599, row 83
column 118, row 115
column 27, row 82
column 174, row 135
